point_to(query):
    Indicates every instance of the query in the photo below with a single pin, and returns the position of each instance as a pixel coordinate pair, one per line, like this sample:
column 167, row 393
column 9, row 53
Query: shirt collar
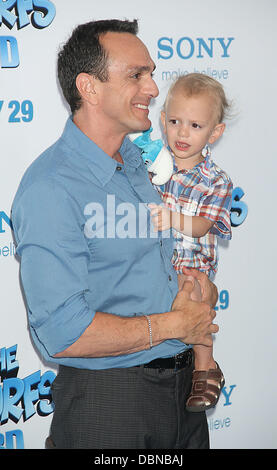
column 101, row 165
column 203, row 169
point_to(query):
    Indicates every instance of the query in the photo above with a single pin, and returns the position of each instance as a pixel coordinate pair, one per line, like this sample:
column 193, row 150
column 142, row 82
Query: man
column 102, row 299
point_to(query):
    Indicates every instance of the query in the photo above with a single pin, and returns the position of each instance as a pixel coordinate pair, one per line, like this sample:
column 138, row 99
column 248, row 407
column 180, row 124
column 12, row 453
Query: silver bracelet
column 150, row 330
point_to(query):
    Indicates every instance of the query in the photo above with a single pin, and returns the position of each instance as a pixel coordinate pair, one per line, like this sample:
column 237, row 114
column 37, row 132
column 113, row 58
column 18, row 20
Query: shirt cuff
column 64, row 326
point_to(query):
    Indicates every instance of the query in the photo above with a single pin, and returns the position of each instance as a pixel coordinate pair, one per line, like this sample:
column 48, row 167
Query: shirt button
column 119, row 168
column 161, row 242
column 169, row 278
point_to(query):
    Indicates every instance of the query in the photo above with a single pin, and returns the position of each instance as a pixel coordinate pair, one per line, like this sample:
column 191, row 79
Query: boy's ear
column 163, row 120
column 217, row 132
column 85, row 86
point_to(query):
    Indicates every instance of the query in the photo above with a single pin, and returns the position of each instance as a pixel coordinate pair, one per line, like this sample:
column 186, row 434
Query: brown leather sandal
column 206, row 388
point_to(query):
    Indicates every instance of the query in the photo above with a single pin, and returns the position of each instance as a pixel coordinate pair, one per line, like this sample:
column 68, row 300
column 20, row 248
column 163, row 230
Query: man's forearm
column 112, row 335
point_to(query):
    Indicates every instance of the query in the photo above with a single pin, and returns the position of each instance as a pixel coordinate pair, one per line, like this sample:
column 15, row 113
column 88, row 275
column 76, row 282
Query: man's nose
column 150, row 88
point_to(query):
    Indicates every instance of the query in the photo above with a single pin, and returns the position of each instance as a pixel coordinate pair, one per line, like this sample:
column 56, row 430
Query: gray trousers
column 134, row 408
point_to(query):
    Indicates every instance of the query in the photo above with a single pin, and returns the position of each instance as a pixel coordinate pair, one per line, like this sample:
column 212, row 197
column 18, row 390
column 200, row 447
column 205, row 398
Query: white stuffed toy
column 155, row 155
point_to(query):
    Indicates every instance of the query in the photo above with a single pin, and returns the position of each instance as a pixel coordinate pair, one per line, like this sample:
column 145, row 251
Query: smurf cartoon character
column 155, row 155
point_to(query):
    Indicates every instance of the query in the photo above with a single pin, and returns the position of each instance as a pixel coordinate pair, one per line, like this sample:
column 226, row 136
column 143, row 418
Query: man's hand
column 208, row 289
column 195, row 319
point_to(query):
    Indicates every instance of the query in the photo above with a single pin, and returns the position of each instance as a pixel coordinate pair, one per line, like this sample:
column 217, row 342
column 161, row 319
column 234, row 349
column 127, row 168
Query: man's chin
column 141, row 127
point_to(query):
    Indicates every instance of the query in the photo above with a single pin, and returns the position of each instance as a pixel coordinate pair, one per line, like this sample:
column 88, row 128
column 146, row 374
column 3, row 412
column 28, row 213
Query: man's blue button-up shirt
column 86, row 243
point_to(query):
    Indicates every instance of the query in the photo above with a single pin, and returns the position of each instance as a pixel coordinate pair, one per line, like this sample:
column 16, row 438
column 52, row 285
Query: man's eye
column 136, row 76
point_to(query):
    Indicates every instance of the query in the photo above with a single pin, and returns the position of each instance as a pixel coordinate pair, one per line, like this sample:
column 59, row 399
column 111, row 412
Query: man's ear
column 217, row 132
column 86, row 87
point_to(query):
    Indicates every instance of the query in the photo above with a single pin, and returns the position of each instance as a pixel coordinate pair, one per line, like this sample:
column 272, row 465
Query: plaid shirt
column 204, row 191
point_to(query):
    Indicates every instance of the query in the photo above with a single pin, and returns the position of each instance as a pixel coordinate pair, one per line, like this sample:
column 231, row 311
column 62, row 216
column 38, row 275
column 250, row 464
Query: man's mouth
column 141, row 106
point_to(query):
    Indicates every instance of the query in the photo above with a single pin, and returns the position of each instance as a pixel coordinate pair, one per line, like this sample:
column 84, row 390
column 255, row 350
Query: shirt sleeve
column 215, row 205
column 54, row 264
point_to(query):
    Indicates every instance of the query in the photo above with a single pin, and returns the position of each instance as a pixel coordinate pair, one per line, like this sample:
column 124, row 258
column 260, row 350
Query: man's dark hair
column 84, row 53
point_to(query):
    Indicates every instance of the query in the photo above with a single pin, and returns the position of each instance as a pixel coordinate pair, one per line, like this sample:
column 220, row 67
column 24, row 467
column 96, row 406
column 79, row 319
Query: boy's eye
column 173, row 121
column 195, row 125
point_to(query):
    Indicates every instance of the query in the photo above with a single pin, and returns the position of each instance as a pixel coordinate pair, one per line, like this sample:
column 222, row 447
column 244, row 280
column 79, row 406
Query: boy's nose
column 184, row 131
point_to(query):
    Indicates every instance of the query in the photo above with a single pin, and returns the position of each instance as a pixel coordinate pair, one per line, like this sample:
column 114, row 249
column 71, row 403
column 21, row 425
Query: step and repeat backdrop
column 232, row 41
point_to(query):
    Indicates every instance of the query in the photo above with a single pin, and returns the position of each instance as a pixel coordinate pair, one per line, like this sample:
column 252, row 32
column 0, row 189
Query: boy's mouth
column 182, row 146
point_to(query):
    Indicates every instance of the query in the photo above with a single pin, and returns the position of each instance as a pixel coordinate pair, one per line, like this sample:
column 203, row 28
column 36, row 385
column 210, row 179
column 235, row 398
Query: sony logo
column 186, row 47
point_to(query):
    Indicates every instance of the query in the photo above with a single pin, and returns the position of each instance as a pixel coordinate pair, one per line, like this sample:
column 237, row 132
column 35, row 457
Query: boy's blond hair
column 197, row 83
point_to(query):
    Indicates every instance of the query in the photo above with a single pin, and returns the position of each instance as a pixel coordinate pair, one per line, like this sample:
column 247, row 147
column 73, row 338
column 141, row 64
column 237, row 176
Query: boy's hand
column 161, row 217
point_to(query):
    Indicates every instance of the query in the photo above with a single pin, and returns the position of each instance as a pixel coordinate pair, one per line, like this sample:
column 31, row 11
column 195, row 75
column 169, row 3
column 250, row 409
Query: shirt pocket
column 188, row 207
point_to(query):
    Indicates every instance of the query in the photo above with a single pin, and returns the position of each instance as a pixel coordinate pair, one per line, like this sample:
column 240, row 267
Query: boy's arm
column 192, row 226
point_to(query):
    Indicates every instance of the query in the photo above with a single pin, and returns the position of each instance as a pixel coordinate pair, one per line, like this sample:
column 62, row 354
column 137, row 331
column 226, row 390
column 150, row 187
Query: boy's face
column 189, row 124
